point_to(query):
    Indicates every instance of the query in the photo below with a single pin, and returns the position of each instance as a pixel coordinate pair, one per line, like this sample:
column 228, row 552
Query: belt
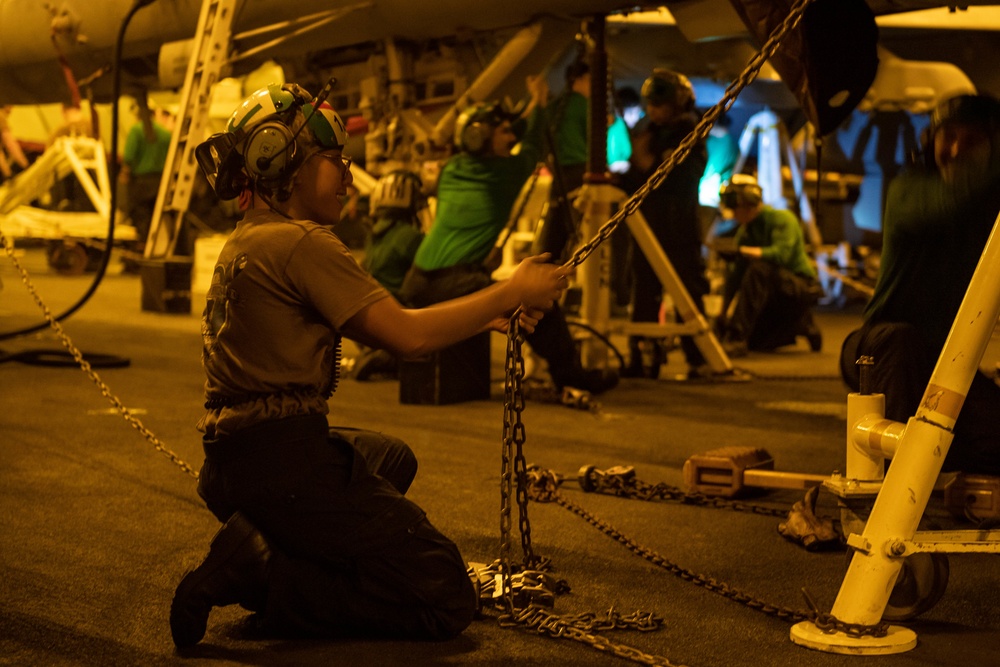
column 264, row 434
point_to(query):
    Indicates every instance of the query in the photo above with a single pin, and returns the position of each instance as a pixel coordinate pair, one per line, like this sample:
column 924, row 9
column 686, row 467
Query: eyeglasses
column 343, row 160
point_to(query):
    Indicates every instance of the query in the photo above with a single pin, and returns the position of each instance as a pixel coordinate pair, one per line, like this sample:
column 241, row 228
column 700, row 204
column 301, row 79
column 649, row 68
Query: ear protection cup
column 270, row 151
column 475, row 137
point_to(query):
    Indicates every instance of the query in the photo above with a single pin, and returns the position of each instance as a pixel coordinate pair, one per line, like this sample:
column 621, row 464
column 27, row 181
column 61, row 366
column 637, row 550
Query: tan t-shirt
column 281, row 291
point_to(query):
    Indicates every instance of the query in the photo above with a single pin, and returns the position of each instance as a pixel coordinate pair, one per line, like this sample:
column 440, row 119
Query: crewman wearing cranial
column 318, row 536
column 475, row 194
column 671, row 211
column 771, row 284
column 938, row 216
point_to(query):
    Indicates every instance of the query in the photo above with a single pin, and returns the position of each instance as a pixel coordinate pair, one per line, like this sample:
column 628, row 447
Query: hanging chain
column 533, row 616
column 698, row 134
column 514, row 435
column 86, row 368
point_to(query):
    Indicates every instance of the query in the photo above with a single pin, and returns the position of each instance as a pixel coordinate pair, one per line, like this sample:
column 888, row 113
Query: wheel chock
column 729, row 471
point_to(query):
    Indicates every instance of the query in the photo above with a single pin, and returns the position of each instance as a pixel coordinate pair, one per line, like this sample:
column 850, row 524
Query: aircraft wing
column 85, row 31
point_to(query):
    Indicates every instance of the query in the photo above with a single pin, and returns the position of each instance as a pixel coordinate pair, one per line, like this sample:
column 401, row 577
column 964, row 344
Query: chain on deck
column 514, row 433
column 86, row 368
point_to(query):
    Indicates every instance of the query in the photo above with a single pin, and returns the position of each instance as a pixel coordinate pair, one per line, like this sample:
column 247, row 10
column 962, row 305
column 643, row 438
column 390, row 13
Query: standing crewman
column 143, row 161
column 567, row 117
column 318, row 536
column 671, row 211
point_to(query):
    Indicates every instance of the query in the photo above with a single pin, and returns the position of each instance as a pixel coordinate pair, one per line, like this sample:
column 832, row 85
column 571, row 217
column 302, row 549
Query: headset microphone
column 264, row 161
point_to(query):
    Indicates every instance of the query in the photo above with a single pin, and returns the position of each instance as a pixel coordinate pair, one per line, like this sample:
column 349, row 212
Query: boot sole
column 188, row 619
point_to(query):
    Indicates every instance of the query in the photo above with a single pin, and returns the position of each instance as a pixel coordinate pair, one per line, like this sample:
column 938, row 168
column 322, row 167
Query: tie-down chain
column 512, row 459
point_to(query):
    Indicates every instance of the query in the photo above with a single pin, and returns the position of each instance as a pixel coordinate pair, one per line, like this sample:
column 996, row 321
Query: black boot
column 645, row 356
column 806, row 326
column 234, row 572
column 634, row 367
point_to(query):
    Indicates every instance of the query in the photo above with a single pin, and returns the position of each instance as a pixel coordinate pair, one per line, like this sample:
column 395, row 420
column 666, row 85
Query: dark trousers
column 551, row 339
column 351, row 555
column 647, row 292
column 141, row 202
column 773, row 306
column 903, row 364
column 562, row 223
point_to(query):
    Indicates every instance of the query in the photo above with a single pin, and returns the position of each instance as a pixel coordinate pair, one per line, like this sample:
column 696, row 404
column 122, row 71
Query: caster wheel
column 919, row 586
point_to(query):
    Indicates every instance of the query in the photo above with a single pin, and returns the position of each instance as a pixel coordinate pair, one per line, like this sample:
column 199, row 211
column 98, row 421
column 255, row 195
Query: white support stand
column 919, row 451
column 774, row 148
column 81, row 156
column 595, row 201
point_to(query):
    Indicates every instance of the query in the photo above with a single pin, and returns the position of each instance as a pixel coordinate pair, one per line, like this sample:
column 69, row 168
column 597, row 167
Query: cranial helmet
column 267, row 138
column 396, row 192
column 977, row 110
column 667, row 86
column 474, row 127
column 742, row 189
column 980, row 111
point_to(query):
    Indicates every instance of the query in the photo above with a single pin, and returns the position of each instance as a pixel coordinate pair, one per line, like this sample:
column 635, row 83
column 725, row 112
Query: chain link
column 584, row 629
column 86, row 368
column 546, row 490
column 628, row 486
column 513, row 435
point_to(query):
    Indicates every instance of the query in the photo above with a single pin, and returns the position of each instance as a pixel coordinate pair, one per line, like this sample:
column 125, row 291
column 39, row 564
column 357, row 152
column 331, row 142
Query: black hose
column 113, row 160
column 601, row 337
column 63, row 359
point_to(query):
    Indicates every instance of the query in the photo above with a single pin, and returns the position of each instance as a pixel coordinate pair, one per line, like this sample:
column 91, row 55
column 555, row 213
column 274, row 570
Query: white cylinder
column 863, row 464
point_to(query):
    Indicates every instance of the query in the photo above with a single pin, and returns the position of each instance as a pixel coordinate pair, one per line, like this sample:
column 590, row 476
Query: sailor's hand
column 538, row 88
column 538, row 283
column 527, row 320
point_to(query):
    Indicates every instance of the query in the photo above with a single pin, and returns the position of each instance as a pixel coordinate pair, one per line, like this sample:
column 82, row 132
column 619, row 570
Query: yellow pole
column 922, row 448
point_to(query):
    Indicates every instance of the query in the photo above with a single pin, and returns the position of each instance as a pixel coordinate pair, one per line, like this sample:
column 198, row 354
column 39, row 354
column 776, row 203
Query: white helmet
column 398, row 191
column 261, row 139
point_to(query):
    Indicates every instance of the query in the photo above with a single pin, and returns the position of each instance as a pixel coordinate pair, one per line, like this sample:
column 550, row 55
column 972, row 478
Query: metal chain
column 513, row 431
column 627, row 486
column 543, row 621
column 513, row 435
column 86, row 368
column 512, row 465
column 546, row 490
column 699, row 133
